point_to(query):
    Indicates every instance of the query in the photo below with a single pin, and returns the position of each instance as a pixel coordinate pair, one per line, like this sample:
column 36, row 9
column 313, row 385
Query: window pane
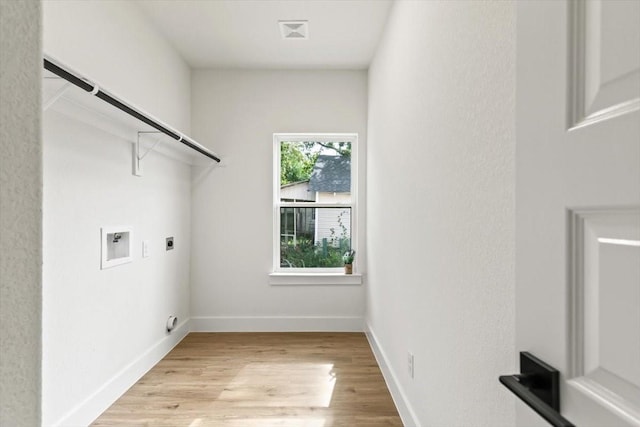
column 314, row 237
column 315, row 172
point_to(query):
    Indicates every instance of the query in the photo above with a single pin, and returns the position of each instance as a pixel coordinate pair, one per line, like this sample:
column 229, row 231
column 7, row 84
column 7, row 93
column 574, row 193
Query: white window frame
column 288, row 276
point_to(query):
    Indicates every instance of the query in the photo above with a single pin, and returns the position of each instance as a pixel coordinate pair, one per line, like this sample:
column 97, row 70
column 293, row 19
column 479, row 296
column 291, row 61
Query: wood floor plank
column 260, row 379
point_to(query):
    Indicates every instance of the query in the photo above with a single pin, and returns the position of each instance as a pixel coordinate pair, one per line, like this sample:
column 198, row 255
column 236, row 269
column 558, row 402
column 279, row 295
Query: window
column 314, row 201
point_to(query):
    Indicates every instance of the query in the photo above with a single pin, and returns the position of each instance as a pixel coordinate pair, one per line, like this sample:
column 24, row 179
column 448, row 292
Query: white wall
column 112, row 42
column 441, row 208
column 232, row 209
column 20, row 213
column 105, row 328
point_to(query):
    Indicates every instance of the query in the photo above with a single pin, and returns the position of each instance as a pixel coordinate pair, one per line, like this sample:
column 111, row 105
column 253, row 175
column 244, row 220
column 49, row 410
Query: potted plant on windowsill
column 347, row 258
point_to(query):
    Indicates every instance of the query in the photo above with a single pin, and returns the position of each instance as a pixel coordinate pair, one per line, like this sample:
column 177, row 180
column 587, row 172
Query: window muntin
column 314, row 201
column 309, row 243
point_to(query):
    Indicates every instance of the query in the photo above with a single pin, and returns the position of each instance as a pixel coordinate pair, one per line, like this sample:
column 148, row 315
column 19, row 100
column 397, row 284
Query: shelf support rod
column 140, row 157
column 100, row 93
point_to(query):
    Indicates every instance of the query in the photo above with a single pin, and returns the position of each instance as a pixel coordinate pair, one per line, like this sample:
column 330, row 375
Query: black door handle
column 539, row 387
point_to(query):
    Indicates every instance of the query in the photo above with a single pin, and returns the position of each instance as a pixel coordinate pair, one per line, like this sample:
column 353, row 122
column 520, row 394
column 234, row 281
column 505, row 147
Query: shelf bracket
column 138, row 155
column 53, row 98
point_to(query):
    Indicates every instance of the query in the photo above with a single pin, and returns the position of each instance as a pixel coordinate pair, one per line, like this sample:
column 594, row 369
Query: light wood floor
column 260, row 379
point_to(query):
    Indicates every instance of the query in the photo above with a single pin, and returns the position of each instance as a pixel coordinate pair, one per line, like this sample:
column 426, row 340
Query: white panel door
column 578, row 204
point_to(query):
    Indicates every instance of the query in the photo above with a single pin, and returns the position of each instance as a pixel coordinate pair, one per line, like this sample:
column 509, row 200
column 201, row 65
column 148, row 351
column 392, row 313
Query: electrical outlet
column 410, row 364
column 145, row 248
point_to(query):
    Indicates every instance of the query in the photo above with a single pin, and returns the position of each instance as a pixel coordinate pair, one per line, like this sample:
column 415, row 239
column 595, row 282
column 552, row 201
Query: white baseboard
column 405, row 410
column 91, row 408
column 277, row 324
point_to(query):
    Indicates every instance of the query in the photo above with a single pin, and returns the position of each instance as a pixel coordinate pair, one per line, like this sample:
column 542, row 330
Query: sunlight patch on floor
column 275, row 422
column 260, row 384
column 265, row 422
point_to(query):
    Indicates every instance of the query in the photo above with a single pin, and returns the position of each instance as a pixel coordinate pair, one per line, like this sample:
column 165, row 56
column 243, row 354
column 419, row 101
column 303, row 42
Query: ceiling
column 343, row 34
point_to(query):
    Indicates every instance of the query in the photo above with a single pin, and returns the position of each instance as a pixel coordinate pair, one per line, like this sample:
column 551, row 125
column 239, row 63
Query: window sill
column 301, row 279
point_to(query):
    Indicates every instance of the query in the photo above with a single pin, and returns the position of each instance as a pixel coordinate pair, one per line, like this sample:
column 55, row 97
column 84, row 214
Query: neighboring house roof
column 297, row 191
column 291, row 184
column 331, row 174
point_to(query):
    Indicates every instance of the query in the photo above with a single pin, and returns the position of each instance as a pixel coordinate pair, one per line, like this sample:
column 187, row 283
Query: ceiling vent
column 298, row 30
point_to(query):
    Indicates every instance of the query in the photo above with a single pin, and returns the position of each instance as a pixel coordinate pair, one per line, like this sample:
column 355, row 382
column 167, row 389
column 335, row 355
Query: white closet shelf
column 73, row 95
